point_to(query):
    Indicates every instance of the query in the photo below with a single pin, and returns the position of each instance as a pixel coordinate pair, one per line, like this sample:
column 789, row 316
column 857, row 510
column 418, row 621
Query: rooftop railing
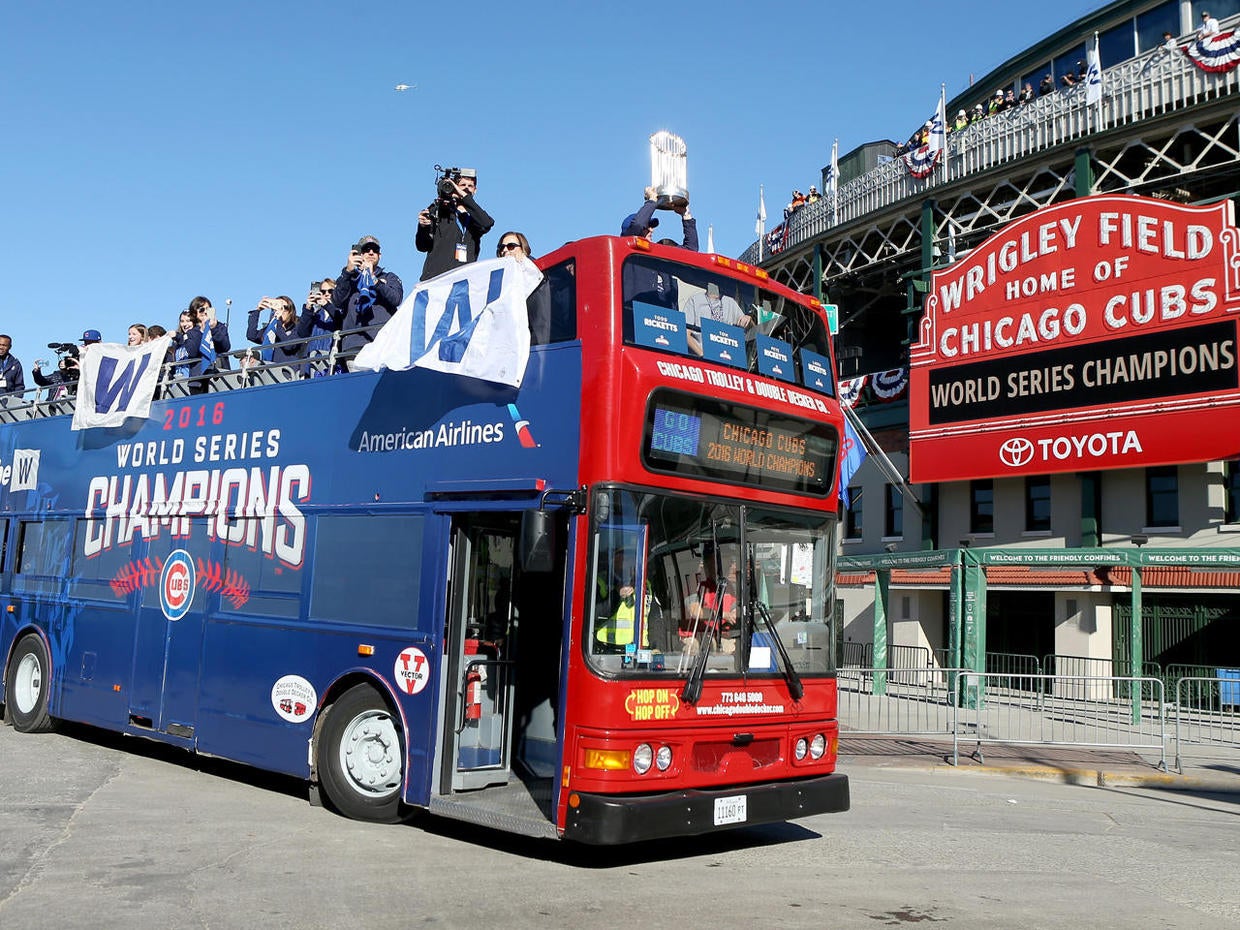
column 246, row 369
column 1142, row 88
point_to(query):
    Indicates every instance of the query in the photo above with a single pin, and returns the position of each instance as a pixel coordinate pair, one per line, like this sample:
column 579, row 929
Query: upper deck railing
column 1142, row 88
column 246, row 368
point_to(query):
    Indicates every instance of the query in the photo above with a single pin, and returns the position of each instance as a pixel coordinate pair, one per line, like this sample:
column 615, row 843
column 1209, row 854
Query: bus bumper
column 609, row 819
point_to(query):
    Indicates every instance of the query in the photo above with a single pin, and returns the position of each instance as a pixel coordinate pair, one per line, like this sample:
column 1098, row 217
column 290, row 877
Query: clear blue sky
column 158, row 150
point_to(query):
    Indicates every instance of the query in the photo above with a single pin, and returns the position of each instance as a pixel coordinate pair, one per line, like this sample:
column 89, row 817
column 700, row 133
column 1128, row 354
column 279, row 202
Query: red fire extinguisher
column 473, row 693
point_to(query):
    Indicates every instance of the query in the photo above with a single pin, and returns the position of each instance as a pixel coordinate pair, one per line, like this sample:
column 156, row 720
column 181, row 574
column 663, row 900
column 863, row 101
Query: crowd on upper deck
column 1004, row 99
column 339, row 314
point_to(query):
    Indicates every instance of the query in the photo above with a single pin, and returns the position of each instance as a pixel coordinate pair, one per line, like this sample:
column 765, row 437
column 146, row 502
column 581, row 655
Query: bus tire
column 361, row 757
column 26, row 687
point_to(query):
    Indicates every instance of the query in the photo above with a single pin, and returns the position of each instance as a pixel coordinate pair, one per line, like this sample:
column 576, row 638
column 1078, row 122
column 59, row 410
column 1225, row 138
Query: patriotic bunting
column 1216, row 54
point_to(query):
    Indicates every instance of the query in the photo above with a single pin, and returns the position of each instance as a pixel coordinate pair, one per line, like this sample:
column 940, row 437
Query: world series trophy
column 669, row 164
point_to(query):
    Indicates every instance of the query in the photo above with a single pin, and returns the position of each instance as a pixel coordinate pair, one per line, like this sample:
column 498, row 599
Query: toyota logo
column 1016, row 452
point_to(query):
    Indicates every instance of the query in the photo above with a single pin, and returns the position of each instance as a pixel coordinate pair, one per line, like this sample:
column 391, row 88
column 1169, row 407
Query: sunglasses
column 509, row 246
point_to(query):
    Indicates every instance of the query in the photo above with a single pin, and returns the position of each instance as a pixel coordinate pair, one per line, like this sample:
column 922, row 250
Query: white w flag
column 938, row 128
column 470, row 321
column 117, row 382
column 1093, row 77
column 760, row 226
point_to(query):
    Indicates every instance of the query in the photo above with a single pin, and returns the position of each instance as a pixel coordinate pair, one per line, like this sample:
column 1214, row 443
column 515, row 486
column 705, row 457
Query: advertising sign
column 1096, row 333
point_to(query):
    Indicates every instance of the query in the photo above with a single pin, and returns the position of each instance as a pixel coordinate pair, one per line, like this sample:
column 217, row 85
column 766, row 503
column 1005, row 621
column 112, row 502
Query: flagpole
column 1098, row 65
column 885, row 465
column 761, row 226
column 835, row 181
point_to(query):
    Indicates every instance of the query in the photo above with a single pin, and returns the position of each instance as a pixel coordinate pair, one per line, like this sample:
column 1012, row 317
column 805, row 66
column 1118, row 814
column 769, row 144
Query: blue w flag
column 117, row 382
column 853, row 454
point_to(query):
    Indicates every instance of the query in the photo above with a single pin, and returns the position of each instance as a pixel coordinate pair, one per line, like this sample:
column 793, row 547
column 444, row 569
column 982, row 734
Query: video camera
column 445, row 180
column 64, row 348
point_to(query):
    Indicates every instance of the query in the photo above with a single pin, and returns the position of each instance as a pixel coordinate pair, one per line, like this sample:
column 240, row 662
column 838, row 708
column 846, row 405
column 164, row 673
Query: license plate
column 730, row 810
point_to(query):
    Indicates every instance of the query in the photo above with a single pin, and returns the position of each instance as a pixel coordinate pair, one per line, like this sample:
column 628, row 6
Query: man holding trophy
column 668, row 190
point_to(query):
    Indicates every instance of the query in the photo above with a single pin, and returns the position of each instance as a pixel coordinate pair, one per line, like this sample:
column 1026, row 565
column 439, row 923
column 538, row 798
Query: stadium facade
column 1101, row 557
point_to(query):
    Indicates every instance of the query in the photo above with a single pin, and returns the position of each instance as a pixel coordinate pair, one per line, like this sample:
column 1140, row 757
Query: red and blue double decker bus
column 598, row 606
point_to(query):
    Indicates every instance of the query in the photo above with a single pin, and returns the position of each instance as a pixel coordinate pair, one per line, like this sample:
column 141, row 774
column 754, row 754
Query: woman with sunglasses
column 538, row 304
column 514, row 244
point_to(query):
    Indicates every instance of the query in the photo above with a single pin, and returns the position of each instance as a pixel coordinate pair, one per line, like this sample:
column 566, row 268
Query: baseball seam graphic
column 145, row 573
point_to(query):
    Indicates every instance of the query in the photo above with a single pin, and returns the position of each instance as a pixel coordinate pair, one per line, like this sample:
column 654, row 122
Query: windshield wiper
column 795, row 688
column 693, row 684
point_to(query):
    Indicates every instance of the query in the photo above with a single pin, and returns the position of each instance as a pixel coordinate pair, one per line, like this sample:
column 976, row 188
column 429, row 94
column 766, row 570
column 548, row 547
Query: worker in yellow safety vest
column 616, row 608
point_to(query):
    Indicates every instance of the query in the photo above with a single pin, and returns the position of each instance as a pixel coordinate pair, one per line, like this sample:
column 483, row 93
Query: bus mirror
column 537, row 550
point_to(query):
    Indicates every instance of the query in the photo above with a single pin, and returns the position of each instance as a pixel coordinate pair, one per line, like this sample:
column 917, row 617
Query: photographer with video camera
column 450, row 230
column 365, row 296
column 66, row 375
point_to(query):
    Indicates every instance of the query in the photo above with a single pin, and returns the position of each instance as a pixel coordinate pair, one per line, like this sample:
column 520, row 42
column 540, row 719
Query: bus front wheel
column 361, row 760
column 27, row 685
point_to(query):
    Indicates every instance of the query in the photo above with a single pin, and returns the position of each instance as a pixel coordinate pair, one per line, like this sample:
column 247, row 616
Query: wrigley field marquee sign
column 1096, row 333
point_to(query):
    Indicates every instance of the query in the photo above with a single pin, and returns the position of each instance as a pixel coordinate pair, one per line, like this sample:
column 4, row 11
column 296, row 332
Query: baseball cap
column 91, row 335
column 365, row 241
column 628, row 220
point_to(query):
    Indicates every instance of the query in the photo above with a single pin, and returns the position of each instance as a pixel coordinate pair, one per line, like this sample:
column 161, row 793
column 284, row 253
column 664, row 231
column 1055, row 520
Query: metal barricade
column 1060, row 710
column 912, row 701
column 1207, row 710
column 1014, row 671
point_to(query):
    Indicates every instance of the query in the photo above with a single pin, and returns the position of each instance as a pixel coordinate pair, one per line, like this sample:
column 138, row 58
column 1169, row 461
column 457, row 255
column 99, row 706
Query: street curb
column 1163, row 781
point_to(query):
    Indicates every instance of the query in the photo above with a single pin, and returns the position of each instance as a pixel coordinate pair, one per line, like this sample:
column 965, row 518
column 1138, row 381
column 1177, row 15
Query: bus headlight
column 817, row 746
column 799, row 749
column 643, row 755
column 663, row 758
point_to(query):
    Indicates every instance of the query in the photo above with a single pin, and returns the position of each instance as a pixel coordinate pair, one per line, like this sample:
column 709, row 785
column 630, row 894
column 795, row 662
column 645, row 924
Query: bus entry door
column 478, row 709
column 168, row 639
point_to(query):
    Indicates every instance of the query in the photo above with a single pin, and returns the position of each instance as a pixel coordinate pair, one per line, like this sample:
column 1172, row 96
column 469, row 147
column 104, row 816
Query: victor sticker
column 412, row 670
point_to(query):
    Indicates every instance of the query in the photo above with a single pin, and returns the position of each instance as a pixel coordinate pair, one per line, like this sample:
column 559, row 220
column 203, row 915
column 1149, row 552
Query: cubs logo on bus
column 176, row 585
column 412, row 670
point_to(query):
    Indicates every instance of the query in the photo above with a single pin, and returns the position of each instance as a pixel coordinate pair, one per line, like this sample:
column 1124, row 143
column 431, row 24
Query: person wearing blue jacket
column 12, row 379
column 280, row 340
column 366, row 295
column 643, row 222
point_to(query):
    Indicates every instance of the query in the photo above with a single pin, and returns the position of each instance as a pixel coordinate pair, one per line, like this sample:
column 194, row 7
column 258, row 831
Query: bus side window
column 380, row 556
column 552, row 307
column 91, row 576
column 43, row 556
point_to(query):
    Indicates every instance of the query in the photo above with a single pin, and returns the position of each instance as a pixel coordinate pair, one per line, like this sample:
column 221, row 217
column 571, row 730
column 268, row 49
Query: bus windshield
column 719, row 583
column 733, row 322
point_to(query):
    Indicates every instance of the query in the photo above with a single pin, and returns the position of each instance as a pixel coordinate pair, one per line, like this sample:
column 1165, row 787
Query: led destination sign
column 741, row 445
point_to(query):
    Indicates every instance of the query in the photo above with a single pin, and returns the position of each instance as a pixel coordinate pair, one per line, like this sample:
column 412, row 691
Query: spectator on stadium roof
column 961, row 122
column 1209, row 26
column 1026, row 94
column 1046, row 86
